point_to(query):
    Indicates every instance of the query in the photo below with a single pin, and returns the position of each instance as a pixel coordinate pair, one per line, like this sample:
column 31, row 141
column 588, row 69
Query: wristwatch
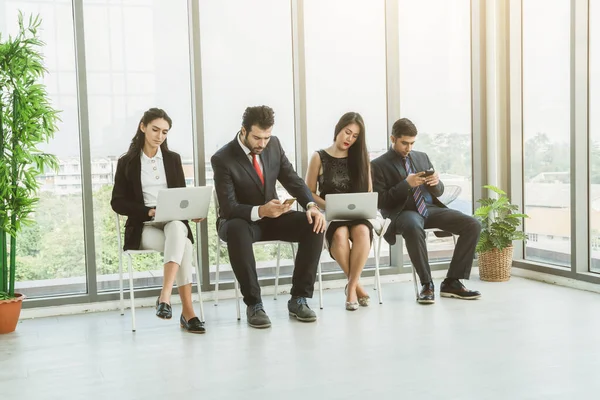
column 311, row 205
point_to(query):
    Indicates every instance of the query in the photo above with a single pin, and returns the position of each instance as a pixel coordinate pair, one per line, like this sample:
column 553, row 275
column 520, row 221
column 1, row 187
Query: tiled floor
column 523, row 340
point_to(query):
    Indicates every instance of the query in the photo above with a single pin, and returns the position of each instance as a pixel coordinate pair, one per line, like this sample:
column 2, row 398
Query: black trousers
column 412, row 227
column 290, row 227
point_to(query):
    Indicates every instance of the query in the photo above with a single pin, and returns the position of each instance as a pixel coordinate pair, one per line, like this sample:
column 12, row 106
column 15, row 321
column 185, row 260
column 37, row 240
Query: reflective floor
column 523, row 340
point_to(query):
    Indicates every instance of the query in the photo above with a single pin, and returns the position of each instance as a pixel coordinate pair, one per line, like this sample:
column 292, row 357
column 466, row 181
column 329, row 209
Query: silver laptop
column 177, row 204
column 350, row 206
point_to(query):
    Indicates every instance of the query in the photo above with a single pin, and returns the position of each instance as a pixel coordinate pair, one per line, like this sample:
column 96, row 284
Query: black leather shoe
column 194, row 325
column 163, row 310
column 455, row 288
column 257, row 317
column 427, row 295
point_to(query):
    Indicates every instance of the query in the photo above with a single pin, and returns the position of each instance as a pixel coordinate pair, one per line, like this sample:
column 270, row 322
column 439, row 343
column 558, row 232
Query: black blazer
column 128, row 199
column 389, row 180
column 237, row 184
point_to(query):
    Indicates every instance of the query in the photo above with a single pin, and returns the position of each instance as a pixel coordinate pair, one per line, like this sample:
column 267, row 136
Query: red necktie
column 256, row 166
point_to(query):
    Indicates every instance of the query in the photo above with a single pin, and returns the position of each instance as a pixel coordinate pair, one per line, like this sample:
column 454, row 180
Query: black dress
column 335, row 179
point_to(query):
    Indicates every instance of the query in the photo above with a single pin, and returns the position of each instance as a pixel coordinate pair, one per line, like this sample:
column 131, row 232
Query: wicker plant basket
column 494, row 265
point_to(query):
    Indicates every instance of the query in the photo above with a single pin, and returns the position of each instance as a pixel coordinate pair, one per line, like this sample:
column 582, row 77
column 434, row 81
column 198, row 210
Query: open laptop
column 185, row 203
column 350, row 206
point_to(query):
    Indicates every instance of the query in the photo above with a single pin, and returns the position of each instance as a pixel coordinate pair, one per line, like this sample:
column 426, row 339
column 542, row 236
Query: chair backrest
column 451, row 192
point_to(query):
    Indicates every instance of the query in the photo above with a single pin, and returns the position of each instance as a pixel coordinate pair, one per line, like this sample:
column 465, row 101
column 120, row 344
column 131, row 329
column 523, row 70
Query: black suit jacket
column 238, row 186
column 128, row 199
column 389, row 180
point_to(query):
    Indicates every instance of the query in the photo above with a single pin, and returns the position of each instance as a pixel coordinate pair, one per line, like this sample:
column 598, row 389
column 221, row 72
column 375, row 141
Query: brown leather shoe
column 427, row 295
column 455, row 288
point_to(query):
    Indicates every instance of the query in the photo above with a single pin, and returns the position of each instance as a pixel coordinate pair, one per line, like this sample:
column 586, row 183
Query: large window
column 133, row 63
column 546, row 130
column 594, row 118
column 246, row 61
column 435, row 94
column 50, row 253
column 345, row 71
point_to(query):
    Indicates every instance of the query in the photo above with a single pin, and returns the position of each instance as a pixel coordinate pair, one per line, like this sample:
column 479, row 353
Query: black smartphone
column 429, row 172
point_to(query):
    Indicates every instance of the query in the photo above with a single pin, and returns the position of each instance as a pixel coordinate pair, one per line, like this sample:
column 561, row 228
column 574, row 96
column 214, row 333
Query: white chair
column 130, row 254
column 379, row 227
column 278, row 243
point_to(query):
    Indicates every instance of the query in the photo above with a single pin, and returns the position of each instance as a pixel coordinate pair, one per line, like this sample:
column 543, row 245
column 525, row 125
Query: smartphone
column 289, row 202
column 429, row 172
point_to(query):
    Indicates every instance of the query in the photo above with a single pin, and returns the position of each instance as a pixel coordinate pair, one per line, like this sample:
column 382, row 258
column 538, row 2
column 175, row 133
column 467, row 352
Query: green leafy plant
column 27, row 120
column 499, row 221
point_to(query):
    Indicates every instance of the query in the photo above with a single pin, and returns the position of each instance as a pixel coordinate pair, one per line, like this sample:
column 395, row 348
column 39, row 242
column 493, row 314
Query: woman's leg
column 153, row 238
column 184, row 280
column 175, row 238
column 340, row 248
column 361, row 245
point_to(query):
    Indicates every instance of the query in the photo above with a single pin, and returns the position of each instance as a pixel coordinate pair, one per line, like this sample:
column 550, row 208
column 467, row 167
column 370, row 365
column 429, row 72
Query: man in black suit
column 409, row 197
column 245, row 172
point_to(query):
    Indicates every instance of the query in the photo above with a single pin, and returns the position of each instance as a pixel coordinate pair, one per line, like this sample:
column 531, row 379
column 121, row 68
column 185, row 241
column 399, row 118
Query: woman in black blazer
column 147, row 167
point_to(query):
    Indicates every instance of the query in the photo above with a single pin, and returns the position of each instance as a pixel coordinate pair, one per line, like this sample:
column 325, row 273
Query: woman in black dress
column 344, row 167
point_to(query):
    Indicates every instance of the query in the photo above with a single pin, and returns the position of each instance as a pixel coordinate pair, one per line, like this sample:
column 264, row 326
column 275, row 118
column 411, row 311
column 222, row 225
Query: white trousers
column 171, row 240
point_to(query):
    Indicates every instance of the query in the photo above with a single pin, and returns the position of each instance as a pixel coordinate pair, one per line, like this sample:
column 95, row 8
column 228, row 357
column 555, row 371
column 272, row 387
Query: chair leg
column 237, row 298
column 377, row 276
column 320, row 272
column 199, row 285
column 121, row 302
column 217, row 272
column 131, row 296
column 277, row 271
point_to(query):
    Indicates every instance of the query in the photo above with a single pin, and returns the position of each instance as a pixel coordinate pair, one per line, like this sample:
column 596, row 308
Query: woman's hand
column 152, row 212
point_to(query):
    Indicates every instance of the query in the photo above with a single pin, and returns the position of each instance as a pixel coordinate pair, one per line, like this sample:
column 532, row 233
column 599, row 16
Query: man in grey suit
column 408, row 190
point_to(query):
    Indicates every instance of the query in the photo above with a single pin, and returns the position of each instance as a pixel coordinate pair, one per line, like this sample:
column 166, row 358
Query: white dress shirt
column 153, row 177
column 254, row 213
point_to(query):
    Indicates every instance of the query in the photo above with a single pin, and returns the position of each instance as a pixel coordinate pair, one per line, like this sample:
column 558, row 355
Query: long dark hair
column 358, row 157
column 137, row 143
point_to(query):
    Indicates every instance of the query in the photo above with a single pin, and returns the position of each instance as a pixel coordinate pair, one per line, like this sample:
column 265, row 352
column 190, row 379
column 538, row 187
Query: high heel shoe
column 352, row 305
column 364, row 301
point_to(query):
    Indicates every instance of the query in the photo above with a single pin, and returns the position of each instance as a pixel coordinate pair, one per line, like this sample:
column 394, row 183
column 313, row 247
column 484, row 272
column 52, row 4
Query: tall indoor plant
column 500, row 221
column 27, row 120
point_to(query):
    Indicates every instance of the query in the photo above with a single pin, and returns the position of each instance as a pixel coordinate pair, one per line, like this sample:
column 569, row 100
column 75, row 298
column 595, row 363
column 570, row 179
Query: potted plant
column 500, row 221
column 26, row 120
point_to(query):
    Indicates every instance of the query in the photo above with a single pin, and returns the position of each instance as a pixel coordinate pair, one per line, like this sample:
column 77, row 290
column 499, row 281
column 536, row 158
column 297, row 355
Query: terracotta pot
column 9, row 313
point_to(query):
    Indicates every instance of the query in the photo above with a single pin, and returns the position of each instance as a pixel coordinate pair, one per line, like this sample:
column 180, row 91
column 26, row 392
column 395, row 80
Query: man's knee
column 411, row 228
column 476, row 225
column 234, row 230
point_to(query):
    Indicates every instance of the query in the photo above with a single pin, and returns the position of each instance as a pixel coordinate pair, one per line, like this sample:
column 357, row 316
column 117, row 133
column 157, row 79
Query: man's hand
column 432, row 180
column 152, row 212
column 273, row 209
column 198, row 220
column 416, row 179
column 315, row 217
